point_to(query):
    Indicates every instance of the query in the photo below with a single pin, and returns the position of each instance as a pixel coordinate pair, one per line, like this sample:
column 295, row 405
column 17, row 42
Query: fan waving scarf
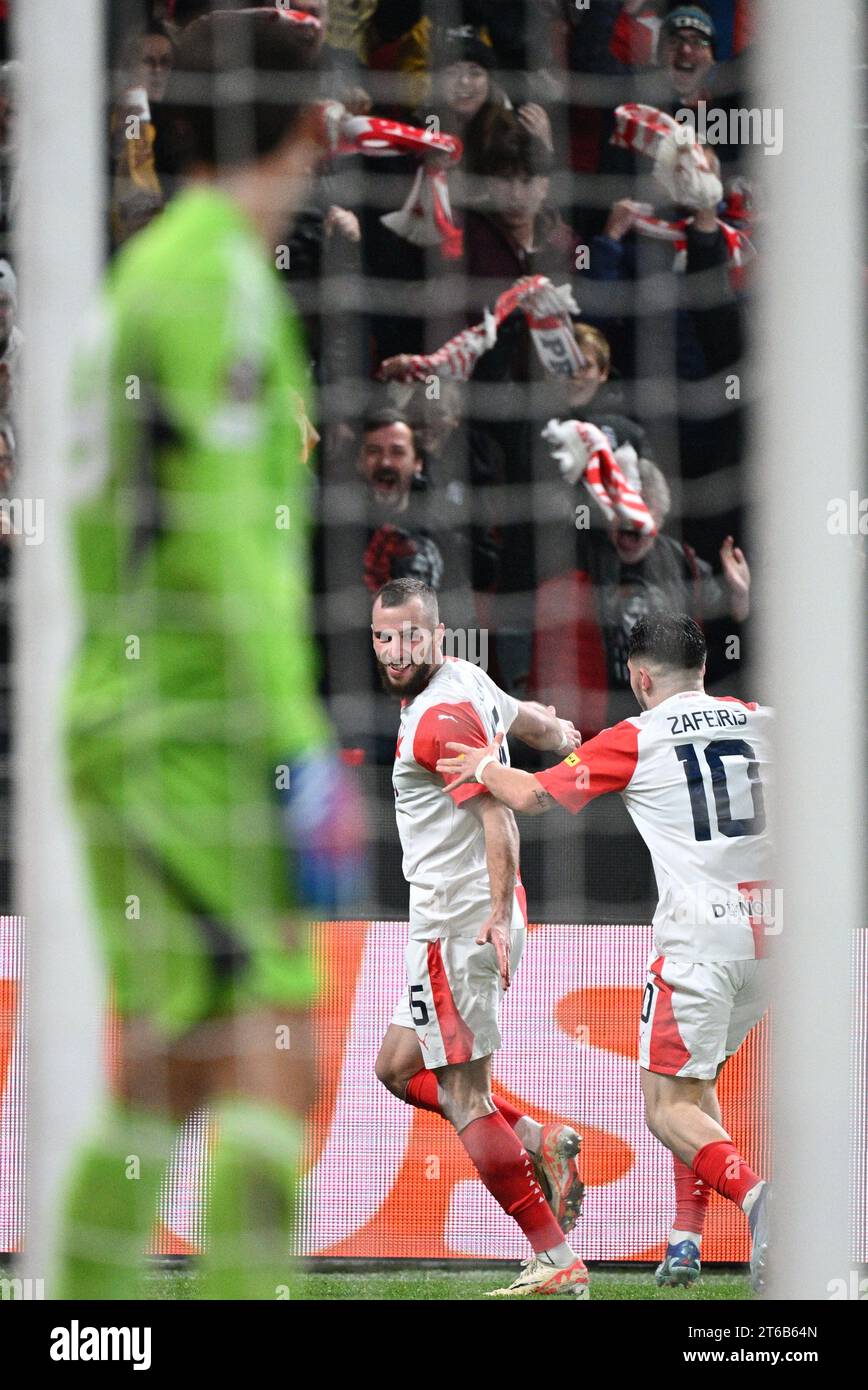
column 582, row 452
column 548, row 313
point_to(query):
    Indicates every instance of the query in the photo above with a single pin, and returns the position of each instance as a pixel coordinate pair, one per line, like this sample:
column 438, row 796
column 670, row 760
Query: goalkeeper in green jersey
column 216, row 814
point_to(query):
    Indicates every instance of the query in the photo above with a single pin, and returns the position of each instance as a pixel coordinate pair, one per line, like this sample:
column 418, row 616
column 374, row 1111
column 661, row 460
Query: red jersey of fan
column 444, row 845
column 693, row 773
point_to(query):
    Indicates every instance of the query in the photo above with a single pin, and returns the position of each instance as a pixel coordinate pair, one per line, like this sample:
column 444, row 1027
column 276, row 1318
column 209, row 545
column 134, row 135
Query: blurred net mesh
column 531, row 582
column 528, row 576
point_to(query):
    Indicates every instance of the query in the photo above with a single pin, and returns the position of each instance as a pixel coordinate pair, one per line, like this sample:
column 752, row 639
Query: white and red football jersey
column 444, row 845
column 693, row 773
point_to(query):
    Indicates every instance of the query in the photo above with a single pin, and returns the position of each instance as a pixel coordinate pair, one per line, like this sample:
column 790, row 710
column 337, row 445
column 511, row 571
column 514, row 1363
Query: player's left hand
column 496, row 930
column 461, row 767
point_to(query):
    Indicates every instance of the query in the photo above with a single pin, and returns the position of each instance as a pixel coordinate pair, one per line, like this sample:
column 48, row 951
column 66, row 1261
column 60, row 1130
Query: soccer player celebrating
column 468, row 922
column 215, row 813
column 691, row 770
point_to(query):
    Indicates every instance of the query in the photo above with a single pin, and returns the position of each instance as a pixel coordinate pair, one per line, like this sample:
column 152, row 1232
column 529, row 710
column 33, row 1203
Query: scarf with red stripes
column 681, row 164
column 582, row 452
column 739, row 249
column 426, row 217
column 682, row 168
column 548, row 313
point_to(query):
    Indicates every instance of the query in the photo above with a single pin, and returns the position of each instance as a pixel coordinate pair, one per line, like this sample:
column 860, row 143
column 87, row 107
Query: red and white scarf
column 298, row 16
column 681, row 164
column 682, row 168
column 547, row 311
column 583, row 452
column 740, row 250
column 426, row 217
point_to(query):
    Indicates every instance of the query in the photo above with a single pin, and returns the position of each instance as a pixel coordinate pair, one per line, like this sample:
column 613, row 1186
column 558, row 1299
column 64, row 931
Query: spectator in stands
column 521, row 36
column 615, row 575
column 389, row 461
column 687, row 52
column 11, row 342
column 585, row 384
column 514, row 235
column 697, row 323
column 465, row 464
column 595, row 583
column 149, row 58
column 468, row 101
column 687, row 49
column 415, row 528
column 401, row 526
column 619, row 37
column 401, row 34
column 588, row 396
column 469, row 104
column 10, row 183
column 137, row 189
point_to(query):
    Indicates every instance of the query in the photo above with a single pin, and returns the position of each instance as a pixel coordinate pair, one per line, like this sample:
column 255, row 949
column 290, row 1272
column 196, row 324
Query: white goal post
column 809, row 361
column 59, row 254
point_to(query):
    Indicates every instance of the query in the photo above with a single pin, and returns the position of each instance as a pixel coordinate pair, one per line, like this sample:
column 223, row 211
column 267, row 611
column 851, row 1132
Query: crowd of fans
column 452, row 474
column 448, row 475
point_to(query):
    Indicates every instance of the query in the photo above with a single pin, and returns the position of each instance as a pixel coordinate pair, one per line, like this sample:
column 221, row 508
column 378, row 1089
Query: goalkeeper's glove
column 324, row 821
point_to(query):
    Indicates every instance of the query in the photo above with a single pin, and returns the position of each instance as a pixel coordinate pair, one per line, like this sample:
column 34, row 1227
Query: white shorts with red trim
column 454, row 989
column 696, row 1014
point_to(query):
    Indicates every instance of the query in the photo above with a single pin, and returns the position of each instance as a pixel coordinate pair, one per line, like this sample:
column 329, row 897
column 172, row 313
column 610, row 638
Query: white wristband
column 489, row 758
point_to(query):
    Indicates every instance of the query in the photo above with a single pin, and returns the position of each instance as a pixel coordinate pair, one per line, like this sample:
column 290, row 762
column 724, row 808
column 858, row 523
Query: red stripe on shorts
column 457, row 1037
column 666, row 1051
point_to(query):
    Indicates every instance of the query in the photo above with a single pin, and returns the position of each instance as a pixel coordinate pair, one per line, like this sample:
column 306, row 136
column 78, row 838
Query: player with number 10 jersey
column 693, row 771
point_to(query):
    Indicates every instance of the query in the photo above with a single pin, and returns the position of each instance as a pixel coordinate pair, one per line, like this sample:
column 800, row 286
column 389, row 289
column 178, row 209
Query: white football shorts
column 696, row 1014
column 454, row 989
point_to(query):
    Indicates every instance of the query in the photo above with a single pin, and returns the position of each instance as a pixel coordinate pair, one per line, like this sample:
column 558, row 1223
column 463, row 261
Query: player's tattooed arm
column 544, row 799
column 514, row 788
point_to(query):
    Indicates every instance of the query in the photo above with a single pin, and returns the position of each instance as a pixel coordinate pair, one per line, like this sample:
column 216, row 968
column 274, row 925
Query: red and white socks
column 497, row 1146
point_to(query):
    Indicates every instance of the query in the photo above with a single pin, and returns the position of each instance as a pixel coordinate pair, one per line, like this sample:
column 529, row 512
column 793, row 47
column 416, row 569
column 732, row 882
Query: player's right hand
column 496, row 930
column 572, row 739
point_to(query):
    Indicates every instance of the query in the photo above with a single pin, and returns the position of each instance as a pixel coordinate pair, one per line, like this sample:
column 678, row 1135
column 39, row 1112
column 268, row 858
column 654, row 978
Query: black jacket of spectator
column 585, row 615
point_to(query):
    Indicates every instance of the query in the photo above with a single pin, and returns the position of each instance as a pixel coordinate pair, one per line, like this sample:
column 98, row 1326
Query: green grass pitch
column 423, row 1285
